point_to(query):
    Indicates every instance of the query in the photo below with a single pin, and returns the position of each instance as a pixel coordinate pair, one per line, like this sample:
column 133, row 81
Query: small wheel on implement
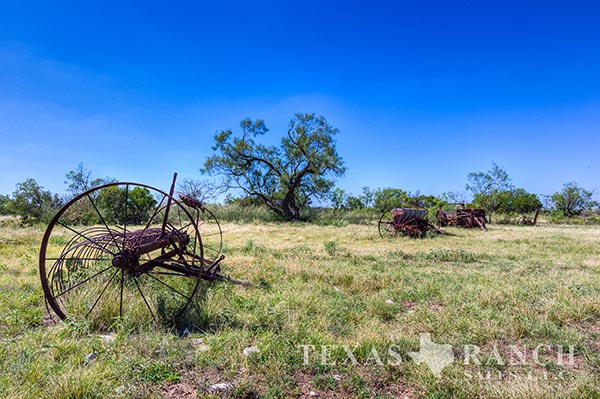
column 121, row 250
column 386, row 225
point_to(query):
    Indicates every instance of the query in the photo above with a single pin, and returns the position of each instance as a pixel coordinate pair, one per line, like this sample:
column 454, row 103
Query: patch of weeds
column 378, row 267
column 332, row 222
column 304, row 276
column 252, row 248
column 384, row 311
column 244, row 391
column 553, row 367
column 158, row 372
column 581, row 290
column 87, row 384
column 325, row 382
column 357, row 386
column 449, row 255
column 75, row 328
column 58, row 240
column 225, row 249
column 331, row 247
column 344, row 280
column 431, row 234
column 262, row 283
column 400, row 255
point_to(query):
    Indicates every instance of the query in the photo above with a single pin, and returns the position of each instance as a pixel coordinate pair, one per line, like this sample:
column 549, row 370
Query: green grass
column 327, row 285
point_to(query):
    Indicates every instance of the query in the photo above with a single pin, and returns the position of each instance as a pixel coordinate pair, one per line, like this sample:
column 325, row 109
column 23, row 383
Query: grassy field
column 337, row 312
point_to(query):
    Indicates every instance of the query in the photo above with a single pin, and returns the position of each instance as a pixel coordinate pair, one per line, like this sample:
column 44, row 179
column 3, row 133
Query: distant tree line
column 492, row 190
column 31, row 202
column 288, row 179
column 34, row 204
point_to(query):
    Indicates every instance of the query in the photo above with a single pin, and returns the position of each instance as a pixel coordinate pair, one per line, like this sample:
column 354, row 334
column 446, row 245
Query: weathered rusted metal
column 528, row 221
column 117, row 266
column 406, row 221
column 464, row 217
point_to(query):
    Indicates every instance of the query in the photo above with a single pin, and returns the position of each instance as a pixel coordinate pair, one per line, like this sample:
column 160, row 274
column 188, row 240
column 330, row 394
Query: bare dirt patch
column 181, row 391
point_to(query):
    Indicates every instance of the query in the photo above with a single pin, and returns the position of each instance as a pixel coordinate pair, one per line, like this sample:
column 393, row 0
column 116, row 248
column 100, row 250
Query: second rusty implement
column 405, row 221
column 524, row 220
column 462, row 217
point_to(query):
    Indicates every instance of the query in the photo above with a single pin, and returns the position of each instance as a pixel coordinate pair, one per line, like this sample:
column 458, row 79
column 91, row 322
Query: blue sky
column 422, row 92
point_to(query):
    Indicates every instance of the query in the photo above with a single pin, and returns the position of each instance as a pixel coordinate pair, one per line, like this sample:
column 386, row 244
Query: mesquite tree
column 572, row 199
column 286, row 177
column 489, row 188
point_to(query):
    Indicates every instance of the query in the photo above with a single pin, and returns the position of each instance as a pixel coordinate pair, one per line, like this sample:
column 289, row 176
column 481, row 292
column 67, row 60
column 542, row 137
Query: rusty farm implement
column 462, row 217
column 129, row 250
column 406, row 221
column 527, row 221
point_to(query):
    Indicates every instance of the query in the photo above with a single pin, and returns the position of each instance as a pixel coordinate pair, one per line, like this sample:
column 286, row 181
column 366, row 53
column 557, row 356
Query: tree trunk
column 290, row 209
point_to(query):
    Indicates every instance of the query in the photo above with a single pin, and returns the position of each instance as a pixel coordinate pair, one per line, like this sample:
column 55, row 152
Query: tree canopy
column 111, row 200
column 33, row 203
column 284, row 178
column 518, row 201
column 572, row 199
column 5, row 204
column 389, row 198
column 203, row 190
column 489, row 188
column 80, row 180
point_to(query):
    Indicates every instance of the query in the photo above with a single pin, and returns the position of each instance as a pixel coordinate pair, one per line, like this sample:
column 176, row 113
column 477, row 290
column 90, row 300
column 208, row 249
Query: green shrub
column 330, row 247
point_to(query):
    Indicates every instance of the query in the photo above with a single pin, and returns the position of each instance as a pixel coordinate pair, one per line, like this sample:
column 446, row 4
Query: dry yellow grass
column 325, row 285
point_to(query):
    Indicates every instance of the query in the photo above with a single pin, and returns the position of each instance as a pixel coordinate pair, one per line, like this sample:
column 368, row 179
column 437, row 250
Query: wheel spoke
column 125, row 217
column 102, row 293
column 194, row 249
column 100, row 246
column 144, row 298
column 82, row 282
column 179, row 216
column 104, row 222
column 153, row 215
column 186, row 226
column 168, row 267
column 121, row 294
column 210, row 235
column 168, row 286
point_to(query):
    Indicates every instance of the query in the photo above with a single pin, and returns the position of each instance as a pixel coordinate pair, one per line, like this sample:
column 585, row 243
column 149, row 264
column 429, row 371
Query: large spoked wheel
column 121, row 251
column 386, row 225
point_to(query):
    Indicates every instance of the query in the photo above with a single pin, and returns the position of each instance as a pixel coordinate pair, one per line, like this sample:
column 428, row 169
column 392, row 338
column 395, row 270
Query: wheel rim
column 208, row 225
column 98, row 271
column 212, row 235
column 386, row 225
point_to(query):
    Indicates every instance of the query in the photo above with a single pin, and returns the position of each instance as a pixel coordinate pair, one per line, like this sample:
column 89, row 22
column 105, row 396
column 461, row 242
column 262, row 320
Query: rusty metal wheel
column 468, row 222
column 121, row 251
column 386, row 225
